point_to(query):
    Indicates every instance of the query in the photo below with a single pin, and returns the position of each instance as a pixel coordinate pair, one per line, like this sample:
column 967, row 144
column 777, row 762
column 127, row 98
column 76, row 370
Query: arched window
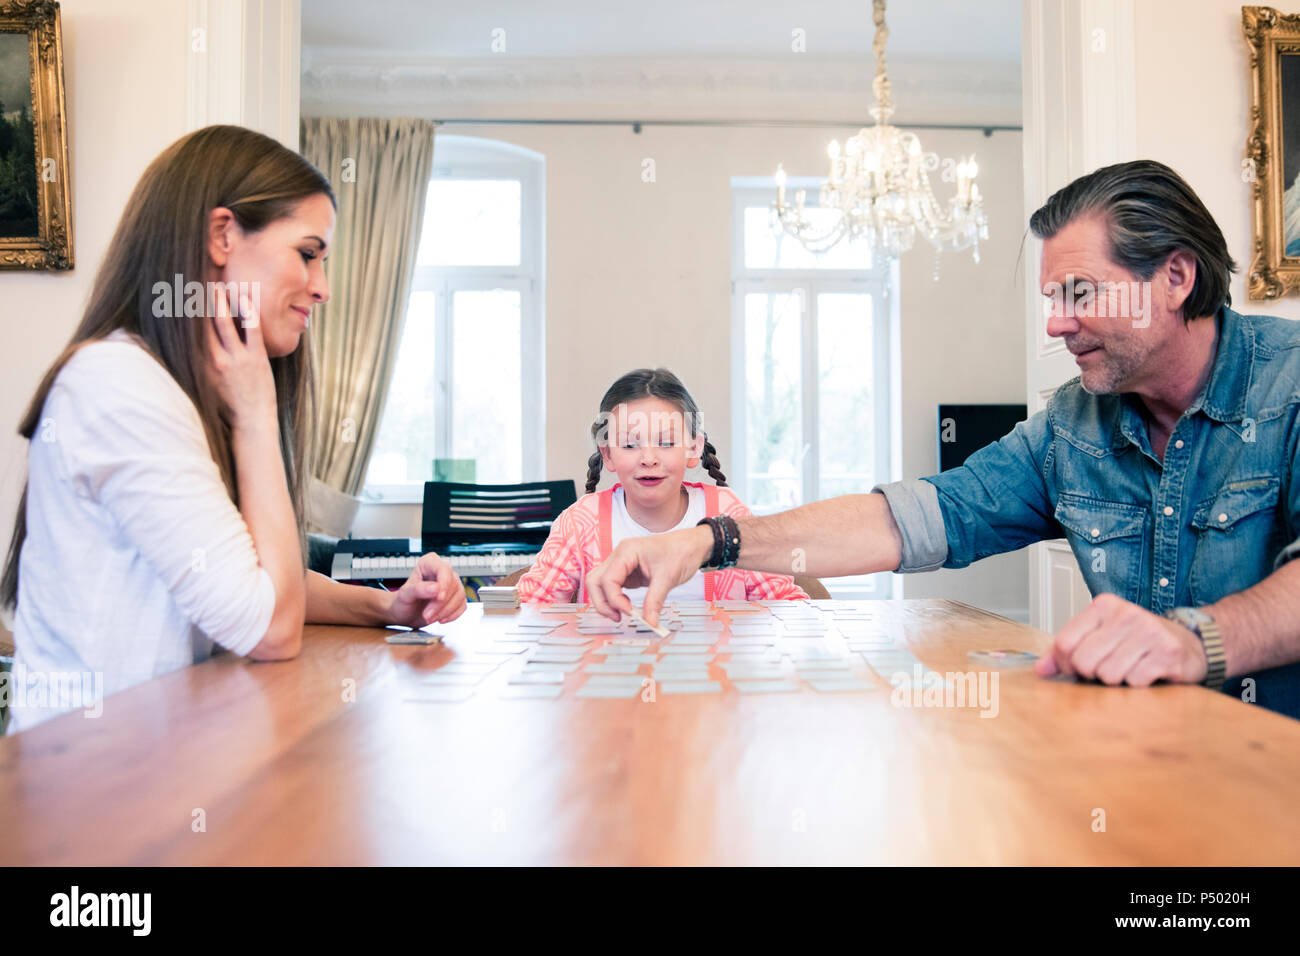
column 466, row 401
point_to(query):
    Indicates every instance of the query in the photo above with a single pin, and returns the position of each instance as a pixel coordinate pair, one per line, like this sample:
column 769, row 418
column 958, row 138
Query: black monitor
column 965, row 429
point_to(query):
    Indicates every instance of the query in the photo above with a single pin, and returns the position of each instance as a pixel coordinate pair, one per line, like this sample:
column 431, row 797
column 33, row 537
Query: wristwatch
column 1207, row 629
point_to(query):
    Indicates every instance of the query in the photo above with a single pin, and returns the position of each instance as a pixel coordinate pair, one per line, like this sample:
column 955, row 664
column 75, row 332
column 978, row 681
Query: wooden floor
column 282, row 766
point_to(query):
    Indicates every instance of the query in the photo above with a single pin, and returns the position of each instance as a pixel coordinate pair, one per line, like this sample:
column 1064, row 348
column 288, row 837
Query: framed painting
column 35, row 205
column 1273, row 151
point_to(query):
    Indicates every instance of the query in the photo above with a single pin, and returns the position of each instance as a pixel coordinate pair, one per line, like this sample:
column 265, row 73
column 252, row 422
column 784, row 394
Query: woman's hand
column 433, row 594
column 241, row 370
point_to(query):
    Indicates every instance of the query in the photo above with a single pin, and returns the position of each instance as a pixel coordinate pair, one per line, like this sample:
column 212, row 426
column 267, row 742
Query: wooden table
column 287, row 771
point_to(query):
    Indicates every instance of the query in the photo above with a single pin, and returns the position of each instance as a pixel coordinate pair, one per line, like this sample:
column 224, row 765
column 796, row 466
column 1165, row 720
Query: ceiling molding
column 923, row 91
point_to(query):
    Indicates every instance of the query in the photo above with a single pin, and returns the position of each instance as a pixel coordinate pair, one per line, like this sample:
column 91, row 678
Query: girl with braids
column 648, row 433
column 169, row 452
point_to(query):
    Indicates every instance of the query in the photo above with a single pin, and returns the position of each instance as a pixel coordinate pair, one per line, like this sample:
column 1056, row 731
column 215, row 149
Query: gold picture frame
column 35, row 201
column 1273, row 151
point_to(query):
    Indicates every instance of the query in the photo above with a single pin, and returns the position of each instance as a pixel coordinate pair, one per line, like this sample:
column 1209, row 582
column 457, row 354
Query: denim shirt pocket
column 1235, row 538
column 1108, row 539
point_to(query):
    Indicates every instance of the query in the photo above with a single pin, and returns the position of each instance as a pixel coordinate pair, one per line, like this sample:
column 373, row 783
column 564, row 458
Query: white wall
column 1193, row 110
column 964, row 341
column 124, row 72
column 639, row 274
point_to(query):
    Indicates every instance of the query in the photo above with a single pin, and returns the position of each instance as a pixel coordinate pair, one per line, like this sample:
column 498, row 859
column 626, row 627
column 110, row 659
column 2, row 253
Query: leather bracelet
column 719, row 540
column 726, row 542
column 732, row 532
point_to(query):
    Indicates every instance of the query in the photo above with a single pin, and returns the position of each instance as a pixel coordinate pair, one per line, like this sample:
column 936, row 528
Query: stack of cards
column 495, row 598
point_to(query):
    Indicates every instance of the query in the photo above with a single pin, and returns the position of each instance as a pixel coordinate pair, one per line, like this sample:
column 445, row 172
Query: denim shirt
column 1217, row 516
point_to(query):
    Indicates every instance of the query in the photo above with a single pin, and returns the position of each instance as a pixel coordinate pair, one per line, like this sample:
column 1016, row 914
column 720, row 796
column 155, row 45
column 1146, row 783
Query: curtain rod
column 987, row 128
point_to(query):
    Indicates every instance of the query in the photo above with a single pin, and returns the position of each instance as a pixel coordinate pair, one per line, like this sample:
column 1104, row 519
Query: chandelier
column 879, row 187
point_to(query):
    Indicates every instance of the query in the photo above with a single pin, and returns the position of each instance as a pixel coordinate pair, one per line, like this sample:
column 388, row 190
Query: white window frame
column 880, row 282
column 472, row 157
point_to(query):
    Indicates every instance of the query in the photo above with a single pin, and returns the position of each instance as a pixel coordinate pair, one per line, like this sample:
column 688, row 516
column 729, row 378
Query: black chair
column 320, row 552
column 461, row 515
column 6, row 667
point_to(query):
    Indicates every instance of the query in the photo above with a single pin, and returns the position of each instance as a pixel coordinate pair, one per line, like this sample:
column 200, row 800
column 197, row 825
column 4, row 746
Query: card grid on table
column 760, row 637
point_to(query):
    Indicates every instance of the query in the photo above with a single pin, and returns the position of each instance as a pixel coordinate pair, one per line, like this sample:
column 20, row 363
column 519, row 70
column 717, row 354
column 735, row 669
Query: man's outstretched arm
column 851, row 534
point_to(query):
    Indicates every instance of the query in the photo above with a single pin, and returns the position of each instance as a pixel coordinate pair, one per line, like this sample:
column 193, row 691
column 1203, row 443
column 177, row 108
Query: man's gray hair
column 1151, row 212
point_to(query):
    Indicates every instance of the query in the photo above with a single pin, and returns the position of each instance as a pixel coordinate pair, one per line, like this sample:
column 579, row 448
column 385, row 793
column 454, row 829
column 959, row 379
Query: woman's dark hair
column 650, row 383
column 1151, row 212
column 164, row 232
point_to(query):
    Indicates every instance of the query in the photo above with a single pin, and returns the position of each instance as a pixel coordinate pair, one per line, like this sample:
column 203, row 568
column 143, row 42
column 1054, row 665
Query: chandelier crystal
column 879, row 187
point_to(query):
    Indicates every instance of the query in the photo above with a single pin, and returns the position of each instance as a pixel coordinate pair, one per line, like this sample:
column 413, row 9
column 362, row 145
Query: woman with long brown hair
column 170, row 441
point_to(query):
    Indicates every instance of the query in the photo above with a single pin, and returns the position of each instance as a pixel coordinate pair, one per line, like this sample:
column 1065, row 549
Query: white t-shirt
column 136, row 560
column 622, row 526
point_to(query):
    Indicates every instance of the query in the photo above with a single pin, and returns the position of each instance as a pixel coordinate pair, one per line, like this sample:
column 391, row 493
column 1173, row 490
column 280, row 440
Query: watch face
column 1191, row 617
column 1200, row 618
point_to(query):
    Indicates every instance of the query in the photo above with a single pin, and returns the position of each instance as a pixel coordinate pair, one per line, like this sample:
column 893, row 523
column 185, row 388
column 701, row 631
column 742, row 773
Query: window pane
column 767, row 246
column 404, row 450
column 847, row 394
column 488, row 389
column 774, row 408
column 471, row 222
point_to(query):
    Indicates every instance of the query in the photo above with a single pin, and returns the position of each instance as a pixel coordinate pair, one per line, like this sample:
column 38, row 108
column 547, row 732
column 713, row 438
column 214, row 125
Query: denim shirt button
column 1164, row 582
column 1096, row 532
column 1168, row 511
column 1179, row 443
column 1222, row 518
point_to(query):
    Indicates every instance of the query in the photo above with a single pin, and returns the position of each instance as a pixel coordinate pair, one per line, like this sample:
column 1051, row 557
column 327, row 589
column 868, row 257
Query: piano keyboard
column 350, row 568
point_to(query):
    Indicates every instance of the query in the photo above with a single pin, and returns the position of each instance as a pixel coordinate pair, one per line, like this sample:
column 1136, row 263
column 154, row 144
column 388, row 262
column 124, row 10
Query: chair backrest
column 812, row 587
column 463, row 514
column 511, row 579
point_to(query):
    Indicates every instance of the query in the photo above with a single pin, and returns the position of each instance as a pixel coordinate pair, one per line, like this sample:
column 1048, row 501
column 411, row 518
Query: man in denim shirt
column 1167, row 464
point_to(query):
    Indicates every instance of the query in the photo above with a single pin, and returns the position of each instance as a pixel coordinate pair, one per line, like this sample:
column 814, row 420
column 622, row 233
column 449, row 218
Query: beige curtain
column 380, row 170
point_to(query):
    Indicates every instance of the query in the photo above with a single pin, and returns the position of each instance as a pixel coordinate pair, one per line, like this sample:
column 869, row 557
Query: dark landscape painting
column 18, row 216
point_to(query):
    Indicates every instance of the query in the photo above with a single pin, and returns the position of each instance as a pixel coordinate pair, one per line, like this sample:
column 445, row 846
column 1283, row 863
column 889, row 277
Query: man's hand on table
column 659, row 562
column 1118, row 642
column 433, row 594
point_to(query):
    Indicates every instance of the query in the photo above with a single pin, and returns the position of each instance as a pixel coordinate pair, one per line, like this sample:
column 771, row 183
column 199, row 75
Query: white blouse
column 136, row 560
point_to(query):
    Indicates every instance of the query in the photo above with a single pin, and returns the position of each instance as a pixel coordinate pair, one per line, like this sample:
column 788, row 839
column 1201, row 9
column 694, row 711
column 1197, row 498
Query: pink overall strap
column 604, row 534
column 605, row 521
column 710, row 509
